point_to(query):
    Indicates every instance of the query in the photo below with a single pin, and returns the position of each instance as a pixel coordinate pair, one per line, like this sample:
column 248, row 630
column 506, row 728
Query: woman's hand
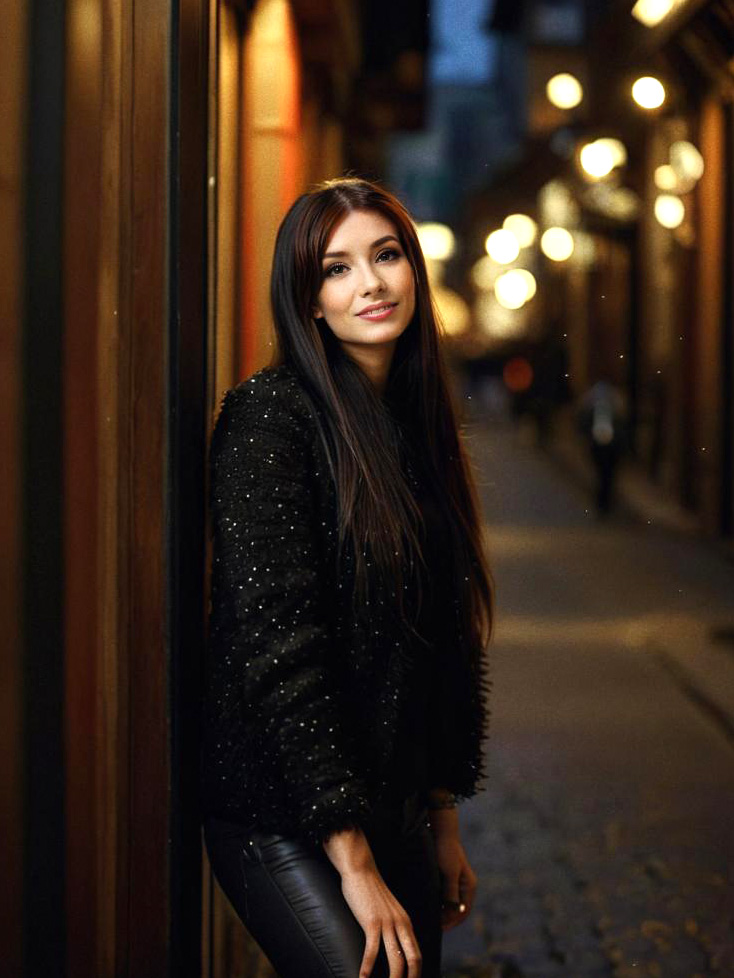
column 458, row 880
column 377, row 911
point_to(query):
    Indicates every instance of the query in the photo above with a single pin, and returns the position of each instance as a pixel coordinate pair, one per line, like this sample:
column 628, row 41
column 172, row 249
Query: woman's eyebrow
column 375, row 244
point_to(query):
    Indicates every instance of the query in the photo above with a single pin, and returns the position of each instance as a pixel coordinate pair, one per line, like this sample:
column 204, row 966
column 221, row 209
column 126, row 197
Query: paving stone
column 604, row 842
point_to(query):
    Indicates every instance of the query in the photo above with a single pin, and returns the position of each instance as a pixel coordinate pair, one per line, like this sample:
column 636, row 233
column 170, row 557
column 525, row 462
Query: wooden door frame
column 168, row 418
column 106, row 364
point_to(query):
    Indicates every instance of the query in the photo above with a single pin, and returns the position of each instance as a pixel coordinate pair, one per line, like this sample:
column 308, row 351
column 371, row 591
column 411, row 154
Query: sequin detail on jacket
column 302, row 697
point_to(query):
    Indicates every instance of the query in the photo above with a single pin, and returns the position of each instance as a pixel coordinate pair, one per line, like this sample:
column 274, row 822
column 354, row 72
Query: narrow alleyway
column 605, row 841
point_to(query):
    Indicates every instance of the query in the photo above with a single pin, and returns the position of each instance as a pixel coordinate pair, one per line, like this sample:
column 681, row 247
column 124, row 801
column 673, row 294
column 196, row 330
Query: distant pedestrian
column 602, row 421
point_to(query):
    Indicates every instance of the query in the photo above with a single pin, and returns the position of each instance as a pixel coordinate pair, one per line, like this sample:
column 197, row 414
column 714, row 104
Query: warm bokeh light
column 529, row 279
column 484, row 273
column 502, row 246
column 686, row 161
column 665, row 177
column 437, row 240
column 496, row 322
column 597, row 159
column 616, row 147
column 564, row 91
column 513, row 289
column 557, row 205
column 648, row 92
column 669, row 210
column 557, row 244
column 624, row 203
column 436, row 270
column 651, row 12
column 621, row 203
column 452, row 310
column 517, row 374
column 523, row 227
column 584, row 248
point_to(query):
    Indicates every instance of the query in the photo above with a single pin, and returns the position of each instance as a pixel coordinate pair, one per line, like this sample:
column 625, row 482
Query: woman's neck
column 374, row 362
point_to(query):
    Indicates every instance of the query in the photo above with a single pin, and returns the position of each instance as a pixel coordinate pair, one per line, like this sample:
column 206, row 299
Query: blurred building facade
column 474, row 114
column 644, row 298
column 148, row 154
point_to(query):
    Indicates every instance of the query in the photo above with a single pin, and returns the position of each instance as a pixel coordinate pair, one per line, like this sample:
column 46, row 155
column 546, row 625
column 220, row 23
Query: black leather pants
column 288, row 894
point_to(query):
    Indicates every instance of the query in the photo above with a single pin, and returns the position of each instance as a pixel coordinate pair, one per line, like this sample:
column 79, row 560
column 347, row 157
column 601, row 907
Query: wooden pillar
column 13, row 85
column 104, row 156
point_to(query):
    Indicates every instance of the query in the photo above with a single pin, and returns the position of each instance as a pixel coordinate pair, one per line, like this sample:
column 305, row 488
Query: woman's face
column 367, row 294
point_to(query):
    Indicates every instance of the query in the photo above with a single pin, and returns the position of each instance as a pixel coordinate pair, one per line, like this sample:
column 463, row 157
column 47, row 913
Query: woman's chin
column 379, row 333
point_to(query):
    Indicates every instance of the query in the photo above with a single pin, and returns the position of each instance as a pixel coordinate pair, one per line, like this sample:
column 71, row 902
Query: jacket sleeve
column 269, row 586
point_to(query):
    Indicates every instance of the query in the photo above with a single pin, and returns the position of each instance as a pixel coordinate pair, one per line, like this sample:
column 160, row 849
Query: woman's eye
column 335, row 269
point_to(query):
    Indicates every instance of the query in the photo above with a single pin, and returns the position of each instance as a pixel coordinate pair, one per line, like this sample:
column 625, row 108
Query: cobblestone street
column 604, row 844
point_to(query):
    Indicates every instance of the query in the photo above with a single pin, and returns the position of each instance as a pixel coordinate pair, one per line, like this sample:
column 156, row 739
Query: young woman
column 351, row 606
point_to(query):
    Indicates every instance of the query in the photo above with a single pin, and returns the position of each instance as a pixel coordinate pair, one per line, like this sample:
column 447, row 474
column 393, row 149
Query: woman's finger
column 451, row 919
column 454, row 906
column 451, row 895
column 395, row 954
column 372, row 946
column 411, row 951
column 468, row 888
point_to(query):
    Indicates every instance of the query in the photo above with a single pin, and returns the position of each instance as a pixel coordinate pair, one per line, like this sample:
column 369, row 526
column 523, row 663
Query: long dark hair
column 377, row 511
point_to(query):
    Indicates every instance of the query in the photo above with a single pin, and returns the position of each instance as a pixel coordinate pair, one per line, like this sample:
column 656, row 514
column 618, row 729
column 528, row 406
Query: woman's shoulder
column 268, row 408
column 274, row 392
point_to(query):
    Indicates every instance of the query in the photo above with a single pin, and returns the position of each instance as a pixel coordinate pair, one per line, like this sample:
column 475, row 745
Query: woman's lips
column 375, row 315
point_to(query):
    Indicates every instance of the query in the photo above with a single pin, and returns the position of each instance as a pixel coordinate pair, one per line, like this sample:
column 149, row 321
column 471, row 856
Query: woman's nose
column 371, row 281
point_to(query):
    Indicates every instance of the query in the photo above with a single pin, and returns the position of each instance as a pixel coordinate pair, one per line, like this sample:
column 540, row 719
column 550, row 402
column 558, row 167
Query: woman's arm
column 267, row 586
column 441, row 798
column 379, row 914
column 458, row 879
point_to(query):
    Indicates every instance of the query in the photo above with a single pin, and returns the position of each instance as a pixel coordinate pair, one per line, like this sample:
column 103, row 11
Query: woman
column 346, row 696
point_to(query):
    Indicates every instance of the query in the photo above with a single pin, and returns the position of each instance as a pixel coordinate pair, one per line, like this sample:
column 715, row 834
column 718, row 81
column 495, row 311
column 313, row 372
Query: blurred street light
column 564, row 91
column 452, row 310
column 616, row 147
column 651, row 12
column 598, row 158
column 503, row 246
column 523, row 227
column 496, row 321
column 484, row 273
column 584, row 248
column 686, row 161
column 435, row 269
column 556, row 204
column 517, row 374
column 557, row 244
column 648, row 92
column 666, row 177
column 510, row 293
column 669, row 210
column 529, row 279
column 437, row 241
column 621, row 203
column 624, row 204
column 514, row 288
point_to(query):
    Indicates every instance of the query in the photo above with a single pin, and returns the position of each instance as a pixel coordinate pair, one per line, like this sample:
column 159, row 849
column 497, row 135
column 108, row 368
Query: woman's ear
column 317, row 313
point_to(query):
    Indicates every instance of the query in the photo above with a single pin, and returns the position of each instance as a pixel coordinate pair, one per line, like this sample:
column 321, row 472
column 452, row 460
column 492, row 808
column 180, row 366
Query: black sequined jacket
column 302, row 696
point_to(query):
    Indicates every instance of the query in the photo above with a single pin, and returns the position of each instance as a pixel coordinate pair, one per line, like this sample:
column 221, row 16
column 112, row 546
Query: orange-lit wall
column 706, row 449
column 271, row 164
